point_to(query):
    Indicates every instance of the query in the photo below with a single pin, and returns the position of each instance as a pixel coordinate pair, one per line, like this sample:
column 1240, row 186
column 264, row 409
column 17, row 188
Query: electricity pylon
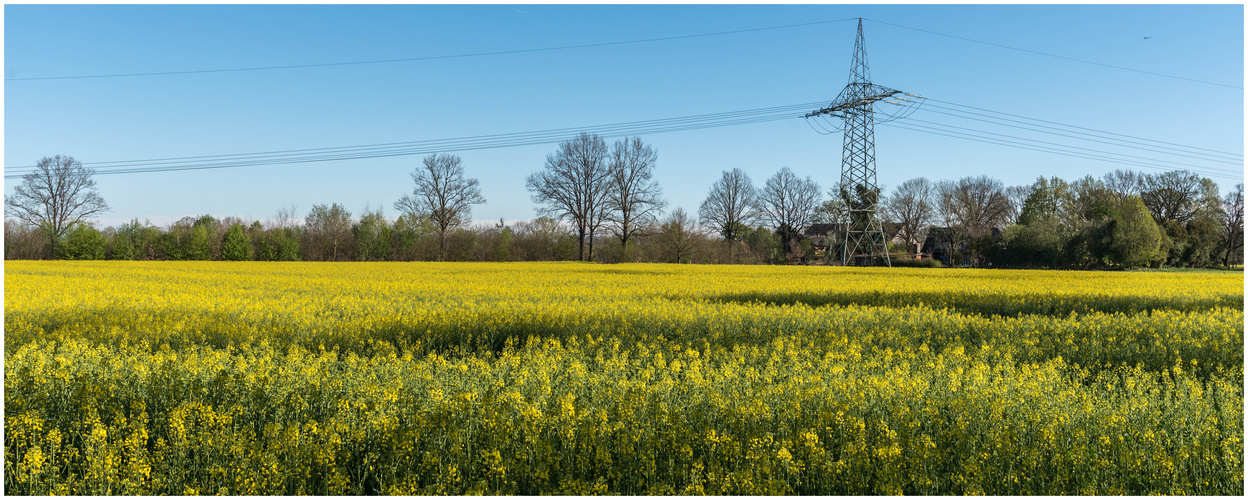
column 863, row 234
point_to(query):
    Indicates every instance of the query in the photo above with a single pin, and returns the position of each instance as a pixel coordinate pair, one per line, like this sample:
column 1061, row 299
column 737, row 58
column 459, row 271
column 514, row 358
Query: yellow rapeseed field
column 566, row 378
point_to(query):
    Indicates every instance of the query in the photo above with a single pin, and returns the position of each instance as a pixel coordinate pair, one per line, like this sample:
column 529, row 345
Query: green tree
column 502, row 249
column 1039, row 242
column 1049, row 197
column 82, row 242
column 1135, row 239
column 120, row 246
column 199, row 245
column 372, row 236
column 235, row 245
column 407, row 233
column 328, row 230
column 133, row 241
column 278, row 244
column 1232, row 226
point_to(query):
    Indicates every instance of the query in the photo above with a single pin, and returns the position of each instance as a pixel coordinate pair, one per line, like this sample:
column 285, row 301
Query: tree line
column 601, row 203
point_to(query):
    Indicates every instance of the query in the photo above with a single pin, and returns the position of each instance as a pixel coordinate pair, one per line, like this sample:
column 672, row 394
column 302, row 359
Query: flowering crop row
column 256, row 378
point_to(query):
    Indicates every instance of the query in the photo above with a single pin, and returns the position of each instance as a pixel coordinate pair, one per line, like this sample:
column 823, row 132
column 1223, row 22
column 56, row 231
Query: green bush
column 82, row 242
column 235, row 244
column 198, row 246
column 1135, row 238
column 278, row 245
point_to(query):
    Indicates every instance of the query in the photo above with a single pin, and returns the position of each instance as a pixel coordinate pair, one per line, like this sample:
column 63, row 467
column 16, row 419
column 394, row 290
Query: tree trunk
column 580, row 247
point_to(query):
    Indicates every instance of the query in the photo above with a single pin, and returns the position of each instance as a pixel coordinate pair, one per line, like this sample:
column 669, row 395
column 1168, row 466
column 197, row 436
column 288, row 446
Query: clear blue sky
column 205, row 114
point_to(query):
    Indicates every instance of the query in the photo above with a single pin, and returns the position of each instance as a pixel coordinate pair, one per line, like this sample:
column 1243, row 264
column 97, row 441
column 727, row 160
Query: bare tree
column 787, row 204
column 677, row 236
column 973, row 206
column 442, row 195
column 543, row 238
column 1177, row 195
column 1233, row 225
column 730, row 204
column 911, row 206
column 634, row 199
column 1124, row 183
column 1017, row 196
column 285, row 218
column 56, row 195
column 573, row 185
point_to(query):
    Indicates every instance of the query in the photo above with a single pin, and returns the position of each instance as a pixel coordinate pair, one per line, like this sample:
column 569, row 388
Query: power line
column 428, row 150
column 1237, row 155
column 677, row 124
column 665, row 125
column 1013, row 144
column 429, row 58
column 1089, row 138
column 1203, row 169
column 541, row 135
column 1060, row 57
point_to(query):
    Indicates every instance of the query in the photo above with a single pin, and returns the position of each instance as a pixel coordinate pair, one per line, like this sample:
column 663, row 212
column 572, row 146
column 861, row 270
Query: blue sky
column 242, row 112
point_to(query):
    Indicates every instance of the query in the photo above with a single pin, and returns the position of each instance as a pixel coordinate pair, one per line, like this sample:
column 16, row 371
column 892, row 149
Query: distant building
column 818, row 234
column 823, row 236
column 937, row 244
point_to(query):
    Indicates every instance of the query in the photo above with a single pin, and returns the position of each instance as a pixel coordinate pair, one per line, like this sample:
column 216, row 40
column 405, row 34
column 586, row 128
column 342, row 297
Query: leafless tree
column 543, row 238
column 912, row 207
column 730, row 204
column 56, row 195
column 972, row 206
column 787, row 204
column 1178, row 195
column 1123, row 183
column 1017, row 196
column 980, row 204
column 677, row 236
column 285, row 218
column 634, row 199
column 573, row 185
column 1233, row 225
column 442, row 195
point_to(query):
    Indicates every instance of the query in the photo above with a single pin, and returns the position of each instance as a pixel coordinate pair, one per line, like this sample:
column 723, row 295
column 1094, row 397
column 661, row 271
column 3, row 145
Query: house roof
column 821, row 229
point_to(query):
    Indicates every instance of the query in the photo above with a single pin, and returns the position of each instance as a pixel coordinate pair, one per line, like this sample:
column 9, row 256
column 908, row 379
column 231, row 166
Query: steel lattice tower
column 863, row 234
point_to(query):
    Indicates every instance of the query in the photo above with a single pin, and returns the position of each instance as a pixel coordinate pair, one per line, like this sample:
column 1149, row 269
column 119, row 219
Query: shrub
column 1135, row 238
column 235, row 244
column 82, row 242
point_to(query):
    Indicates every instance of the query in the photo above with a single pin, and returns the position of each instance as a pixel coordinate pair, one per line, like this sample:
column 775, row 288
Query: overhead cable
column 442, row 145
column 666, row 125
column 427, row 58
column 1014, row 144
column 1182, row 146
column 1206, row 169
column 1092, row 139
